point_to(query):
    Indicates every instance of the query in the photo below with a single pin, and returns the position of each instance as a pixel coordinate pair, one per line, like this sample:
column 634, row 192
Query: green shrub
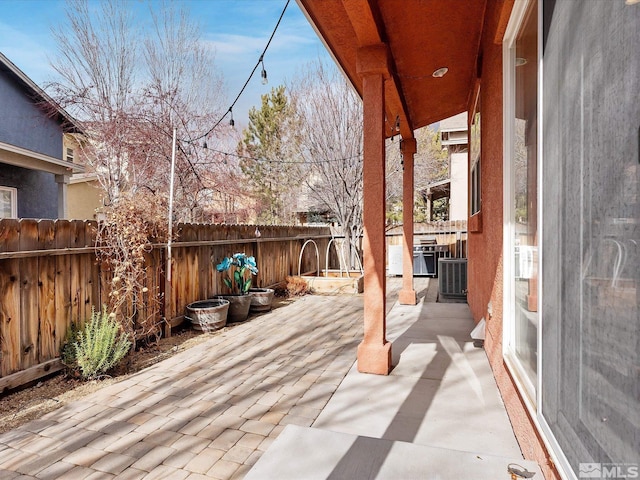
column 68, row 349
column 100, row 345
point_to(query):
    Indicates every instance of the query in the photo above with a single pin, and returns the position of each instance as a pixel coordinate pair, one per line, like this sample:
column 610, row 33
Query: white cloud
column 230, row 46
column 30, row 54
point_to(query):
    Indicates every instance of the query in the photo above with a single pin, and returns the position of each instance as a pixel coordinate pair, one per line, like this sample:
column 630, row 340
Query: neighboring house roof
column 83, row 178
column 453, row 130
column 454, row 124
column 437, row 190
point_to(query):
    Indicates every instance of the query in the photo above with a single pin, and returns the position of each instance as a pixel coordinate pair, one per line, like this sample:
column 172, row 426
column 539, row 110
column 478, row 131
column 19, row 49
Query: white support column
column 62, row 181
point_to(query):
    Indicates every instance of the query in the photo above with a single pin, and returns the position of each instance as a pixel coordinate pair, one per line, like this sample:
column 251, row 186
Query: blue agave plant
column 241, row 263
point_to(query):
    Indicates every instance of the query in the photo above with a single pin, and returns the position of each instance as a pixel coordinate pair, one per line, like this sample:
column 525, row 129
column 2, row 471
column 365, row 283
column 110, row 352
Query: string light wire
column 230, row 109
column 260, row 61
column 262, row 160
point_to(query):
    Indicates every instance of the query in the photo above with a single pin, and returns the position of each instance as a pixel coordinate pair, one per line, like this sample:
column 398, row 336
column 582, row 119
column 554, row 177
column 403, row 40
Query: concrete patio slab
column 440, row 393
column 438, row 415
column 315, row 454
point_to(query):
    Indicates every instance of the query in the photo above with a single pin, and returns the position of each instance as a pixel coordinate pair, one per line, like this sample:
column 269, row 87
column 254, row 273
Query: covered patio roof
column 422, row 36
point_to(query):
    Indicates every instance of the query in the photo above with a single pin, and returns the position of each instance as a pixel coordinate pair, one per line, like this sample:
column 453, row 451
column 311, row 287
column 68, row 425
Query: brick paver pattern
column 208, row 412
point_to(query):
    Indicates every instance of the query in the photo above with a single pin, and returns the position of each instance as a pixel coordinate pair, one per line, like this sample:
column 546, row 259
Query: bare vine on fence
column 125, row 238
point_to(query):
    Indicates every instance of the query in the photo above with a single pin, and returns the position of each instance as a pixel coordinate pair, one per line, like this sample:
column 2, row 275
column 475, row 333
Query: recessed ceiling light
column 520, row 61
column 441, row 72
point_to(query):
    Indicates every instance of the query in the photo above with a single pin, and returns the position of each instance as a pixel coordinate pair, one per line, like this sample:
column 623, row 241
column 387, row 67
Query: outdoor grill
column 426, row 255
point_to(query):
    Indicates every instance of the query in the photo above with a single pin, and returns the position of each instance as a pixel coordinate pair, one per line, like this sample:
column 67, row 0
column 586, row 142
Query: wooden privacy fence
column 452, row 233
column 200, row 247
column 49, row 278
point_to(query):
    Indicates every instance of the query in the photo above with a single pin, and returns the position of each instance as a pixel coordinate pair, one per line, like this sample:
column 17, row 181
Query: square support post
column 63, row 182
column 374, row 352
column 407, row 296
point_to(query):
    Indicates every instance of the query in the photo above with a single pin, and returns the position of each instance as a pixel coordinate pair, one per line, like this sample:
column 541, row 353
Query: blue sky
column 238, row 29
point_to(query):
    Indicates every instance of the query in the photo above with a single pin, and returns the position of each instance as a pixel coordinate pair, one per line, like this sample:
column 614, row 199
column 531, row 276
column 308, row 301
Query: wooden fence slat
column 105, row 276
column 46, row 293
column 76, row 234
column 191, row 257
column 203, row 265
column 10, row 357
column 10, row 351
column 29, row 315
column 178, row 288
column 9, row 235
column 92, row 271
column 62, row 283
column 84, row 273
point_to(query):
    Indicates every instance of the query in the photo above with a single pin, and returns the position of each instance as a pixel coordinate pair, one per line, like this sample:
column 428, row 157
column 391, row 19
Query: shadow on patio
column 212, row 411
column 437, row 415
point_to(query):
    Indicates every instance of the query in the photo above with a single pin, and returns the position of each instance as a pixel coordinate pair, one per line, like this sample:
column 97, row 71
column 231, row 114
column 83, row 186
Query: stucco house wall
column 24, row 124
column 84, row 196
column 31, row 145
column 37, row 191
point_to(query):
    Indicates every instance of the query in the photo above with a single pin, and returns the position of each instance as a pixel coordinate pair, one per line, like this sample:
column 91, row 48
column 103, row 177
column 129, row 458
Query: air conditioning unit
column 452, row 278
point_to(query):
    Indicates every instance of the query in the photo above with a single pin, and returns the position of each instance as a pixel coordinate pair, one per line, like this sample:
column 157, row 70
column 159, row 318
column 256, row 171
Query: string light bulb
column 396, row 128
column 263, row 73
column 204, row 144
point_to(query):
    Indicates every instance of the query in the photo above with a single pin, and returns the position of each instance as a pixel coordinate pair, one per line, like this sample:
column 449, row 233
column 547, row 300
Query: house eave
column 421, row 37
column 21, row 157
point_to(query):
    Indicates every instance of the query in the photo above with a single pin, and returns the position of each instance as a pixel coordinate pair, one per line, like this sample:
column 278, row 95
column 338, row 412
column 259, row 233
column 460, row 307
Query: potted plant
column 208, row 315
column 239, row 268
column 261, row 299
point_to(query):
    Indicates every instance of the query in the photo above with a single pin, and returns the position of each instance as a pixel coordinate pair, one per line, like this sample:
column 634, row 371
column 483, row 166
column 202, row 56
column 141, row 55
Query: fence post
column 165, row 305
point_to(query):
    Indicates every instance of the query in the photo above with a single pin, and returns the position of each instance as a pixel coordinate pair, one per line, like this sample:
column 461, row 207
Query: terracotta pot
column 238, row 307
column 208, row 315
column 261, row 299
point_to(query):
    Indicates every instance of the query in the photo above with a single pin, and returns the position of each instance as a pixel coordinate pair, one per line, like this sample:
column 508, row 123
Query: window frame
column 529, row 390
column 475, row 161
column 14, row 200
column 531, row 394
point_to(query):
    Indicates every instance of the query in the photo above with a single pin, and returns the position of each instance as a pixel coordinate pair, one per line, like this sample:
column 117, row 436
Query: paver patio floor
column 207, row 412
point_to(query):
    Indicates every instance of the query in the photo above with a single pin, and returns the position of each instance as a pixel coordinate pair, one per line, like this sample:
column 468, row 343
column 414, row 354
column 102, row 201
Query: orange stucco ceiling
column 422, row 36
